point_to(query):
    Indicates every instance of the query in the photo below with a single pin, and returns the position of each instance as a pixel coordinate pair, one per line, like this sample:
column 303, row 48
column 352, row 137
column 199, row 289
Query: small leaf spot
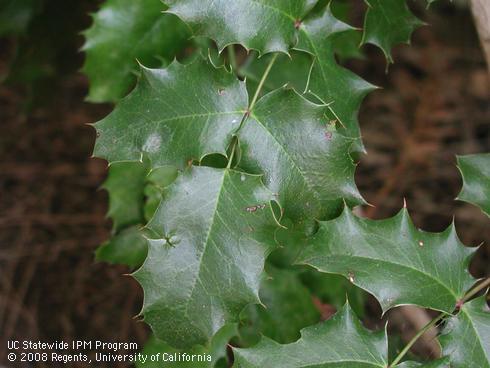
column 328, row 135
column 350, row 276
column 221, row 91
column 173, row 240
column 243, row 177
column 253, row 209
column 421, row 243
column 297, row 23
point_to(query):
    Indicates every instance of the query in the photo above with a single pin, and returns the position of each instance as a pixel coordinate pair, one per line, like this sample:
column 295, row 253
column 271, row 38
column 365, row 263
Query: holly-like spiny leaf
column 262, row 25
column 127, row 247
column 125, row 185
column 212, row 233
column 174, row 115
column 340, row 342
column 393, row 260
column 157, row 180
column 313, row 70
column 328, row 81
column 123, row 31
column 155, row 123
column 287, row 308
column 388, row 23
column 208, row 356
column 292, row 70
column 304, row 160
column 475, row 170
column 134, row 193
column 466, row 337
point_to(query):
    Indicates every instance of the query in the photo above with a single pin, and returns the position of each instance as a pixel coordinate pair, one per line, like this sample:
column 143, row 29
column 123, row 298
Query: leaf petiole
column 251, row 106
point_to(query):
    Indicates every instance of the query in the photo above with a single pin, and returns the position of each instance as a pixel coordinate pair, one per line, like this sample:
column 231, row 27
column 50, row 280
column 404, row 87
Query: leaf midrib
column 205, row 244
column 307, row 261
column 476, row 332
column 290, row 159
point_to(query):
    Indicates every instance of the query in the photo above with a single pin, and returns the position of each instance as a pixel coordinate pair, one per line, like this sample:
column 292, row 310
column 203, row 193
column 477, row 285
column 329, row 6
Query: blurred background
column 434, row 103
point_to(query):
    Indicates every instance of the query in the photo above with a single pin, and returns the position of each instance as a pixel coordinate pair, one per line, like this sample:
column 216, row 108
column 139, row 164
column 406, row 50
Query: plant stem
column 232, row 58
column 414, row 339
column 250, row 107
column 262, row 81
column 432, row 323
column 475, row 291
column 230, row 160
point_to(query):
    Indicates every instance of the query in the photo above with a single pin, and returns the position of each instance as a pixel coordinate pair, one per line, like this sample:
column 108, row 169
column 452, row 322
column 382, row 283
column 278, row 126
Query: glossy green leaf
column 388, row 23
column 328, row 81
column 347, row 45
column 211, row 233
column 128, row 247
column 340, row 342
column 393, row 260
column 262, row 25
column 124, row 31
column 303, row 159
column 292, row 70
column 475, row 170
column 125, row 185
column 207, row 356
column 175, row 115
column 134, row 194
column 157, row 180
column 287, row 308
column 466, row 337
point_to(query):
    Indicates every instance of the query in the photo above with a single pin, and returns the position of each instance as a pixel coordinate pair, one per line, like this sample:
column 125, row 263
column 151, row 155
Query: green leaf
column 213, row 231
column 123, row 31
column 303, row 159
column 439, row 363
column 475, row 170
column 292, row 70
column 158, row 179
column 287, row 308
column 393, row 260
column 321, row 79
column 329, row 82
column 346, row 45
column 128, row 247
column 208, row 356
column 134, row 194
column 262, row 25
column 174, row 115
column 125, row 184
column 388, row 23
column 334, row 289
column 466, row 337
column 340, row 342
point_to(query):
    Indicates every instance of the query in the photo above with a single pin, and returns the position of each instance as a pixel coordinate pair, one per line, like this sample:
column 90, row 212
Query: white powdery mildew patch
column 153, row 143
